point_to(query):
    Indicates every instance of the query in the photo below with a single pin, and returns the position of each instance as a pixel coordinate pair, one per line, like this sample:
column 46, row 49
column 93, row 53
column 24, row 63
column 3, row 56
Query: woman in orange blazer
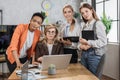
column 23, row 42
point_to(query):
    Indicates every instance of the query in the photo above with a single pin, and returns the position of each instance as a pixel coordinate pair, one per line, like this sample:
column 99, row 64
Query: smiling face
column 35, row 23
column 68, row 12
column 87, row 13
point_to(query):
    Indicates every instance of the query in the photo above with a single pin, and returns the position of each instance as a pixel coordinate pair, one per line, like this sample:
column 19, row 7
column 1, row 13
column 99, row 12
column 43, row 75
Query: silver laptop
column 24, row 70
column 60, row 61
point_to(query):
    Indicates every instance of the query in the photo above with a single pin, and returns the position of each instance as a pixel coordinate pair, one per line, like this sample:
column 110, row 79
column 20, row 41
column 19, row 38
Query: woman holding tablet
column 70, row 28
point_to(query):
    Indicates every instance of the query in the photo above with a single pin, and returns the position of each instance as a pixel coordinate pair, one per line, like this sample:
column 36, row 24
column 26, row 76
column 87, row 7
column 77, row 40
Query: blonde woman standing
column 70, row 28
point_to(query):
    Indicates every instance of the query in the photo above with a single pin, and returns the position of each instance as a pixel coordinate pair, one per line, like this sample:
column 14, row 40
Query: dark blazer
column 42, row 49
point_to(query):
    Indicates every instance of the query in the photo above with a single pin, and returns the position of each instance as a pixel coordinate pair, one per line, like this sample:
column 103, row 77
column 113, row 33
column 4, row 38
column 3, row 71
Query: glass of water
column 40, row 67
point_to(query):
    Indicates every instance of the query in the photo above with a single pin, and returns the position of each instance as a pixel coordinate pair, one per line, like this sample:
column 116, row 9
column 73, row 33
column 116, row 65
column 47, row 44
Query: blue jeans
column 90, row 60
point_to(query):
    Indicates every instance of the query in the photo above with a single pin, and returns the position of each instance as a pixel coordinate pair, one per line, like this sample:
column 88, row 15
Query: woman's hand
column 39, row 59
column 85, row 47
column 19, row 65
column 66, row 42
column 36, row 63
column 83, row 41
column 15, row 55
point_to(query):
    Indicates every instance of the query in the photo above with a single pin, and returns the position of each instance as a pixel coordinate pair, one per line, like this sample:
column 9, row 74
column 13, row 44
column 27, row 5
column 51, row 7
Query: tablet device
column 88, row 34
column 72, row 38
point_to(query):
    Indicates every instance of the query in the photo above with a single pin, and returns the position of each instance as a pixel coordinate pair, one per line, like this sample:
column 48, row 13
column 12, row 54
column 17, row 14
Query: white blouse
column 100, row 31
column 50, row 48
column 65, row 32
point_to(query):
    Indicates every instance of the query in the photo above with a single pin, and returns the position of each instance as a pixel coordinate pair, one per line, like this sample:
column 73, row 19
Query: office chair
column 99, row 70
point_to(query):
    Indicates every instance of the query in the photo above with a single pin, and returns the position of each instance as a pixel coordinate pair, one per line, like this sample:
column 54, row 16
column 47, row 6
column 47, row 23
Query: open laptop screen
column 60, row 61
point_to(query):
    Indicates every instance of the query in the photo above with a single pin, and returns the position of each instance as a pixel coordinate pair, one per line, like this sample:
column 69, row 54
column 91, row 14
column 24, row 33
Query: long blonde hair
column 86, row 5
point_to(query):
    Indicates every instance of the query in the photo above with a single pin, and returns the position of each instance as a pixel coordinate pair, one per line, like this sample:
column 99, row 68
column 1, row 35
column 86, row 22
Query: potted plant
column 52, row 69
column 76, row 14
column 107, row 22
column 44, row 14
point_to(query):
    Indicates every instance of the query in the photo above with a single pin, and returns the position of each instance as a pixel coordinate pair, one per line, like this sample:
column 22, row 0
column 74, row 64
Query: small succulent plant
column 51, row 66
column 44, row 14
column 76, row 14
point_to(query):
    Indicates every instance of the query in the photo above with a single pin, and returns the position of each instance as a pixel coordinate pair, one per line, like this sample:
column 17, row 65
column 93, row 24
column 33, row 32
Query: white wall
column 111, row 67
column 20, row 11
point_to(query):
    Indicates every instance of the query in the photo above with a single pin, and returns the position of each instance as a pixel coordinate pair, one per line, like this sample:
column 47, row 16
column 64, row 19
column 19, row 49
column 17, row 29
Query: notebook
column 60, row 61
column 88, row 34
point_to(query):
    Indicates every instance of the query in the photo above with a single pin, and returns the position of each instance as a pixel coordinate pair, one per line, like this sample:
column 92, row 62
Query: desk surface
column 73, row 72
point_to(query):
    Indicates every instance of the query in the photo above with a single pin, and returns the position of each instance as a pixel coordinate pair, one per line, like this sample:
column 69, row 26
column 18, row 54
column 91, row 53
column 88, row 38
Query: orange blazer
column 18, row 40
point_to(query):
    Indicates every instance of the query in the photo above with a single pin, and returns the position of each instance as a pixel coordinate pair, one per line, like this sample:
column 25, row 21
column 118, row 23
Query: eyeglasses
column 51, row 32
